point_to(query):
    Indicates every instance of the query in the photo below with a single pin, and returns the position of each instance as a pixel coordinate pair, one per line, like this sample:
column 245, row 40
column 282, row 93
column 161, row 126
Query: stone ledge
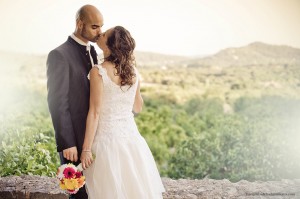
column 41, row 187
column 30, row 187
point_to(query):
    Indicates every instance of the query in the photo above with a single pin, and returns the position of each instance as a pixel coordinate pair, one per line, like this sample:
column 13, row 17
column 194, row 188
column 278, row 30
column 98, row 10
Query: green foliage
column 158, row 125
column 252, row 145
column 28, row 152
column 184, row 124
column 27, row 144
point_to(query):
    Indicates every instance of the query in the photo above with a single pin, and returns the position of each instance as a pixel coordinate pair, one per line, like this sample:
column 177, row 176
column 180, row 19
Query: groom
column 68, row 86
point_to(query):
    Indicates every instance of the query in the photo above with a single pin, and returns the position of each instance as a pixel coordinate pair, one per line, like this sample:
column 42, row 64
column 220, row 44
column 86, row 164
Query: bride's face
column 103, row 39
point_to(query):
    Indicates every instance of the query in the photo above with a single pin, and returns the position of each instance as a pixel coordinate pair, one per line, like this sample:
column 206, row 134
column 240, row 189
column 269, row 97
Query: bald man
column 68, row 86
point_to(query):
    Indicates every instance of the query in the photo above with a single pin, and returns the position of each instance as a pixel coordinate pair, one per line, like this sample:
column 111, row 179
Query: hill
column 150, row 59
column 254, row 54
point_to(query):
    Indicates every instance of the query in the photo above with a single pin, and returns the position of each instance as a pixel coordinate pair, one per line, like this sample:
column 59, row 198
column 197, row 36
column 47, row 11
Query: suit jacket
column 68, row 92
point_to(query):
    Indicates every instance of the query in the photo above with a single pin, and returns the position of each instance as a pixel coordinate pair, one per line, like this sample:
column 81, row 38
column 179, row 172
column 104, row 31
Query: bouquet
column 70, row 178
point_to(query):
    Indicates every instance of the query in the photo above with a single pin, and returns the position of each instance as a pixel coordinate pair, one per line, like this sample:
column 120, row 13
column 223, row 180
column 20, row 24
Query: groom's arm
column 58, row 100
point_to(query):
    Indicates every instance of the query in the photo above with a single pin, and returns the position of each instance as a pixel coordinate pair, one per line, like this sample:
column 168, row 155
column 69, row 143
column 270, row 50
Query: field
column 234, row 122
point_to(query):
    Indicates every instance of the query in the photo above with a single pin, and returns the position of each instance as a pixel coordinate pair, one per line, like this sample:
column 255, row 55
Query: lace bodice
column 116, row 117
column 117, row 102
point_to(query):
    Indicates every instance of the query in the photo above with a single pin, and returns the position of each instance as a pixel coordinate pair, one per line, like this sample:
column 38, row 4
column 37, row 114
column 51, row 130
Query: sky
column 177, row 27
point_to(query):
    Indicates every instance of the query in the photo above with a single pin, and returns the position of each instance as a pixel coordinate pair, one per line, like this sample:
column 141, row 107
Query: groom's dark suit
column 68, row 95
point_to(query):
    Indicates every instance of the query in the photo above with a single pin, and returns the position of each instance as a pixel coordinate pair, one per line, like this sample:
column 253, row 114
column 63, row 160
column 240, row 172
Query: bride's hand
column 86, row 159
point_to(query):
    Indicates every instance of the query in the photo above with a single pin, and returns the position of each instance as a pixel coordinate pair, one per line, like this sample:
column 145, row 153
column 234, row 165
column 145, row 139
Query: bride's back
column 116, row 101
column 111, row 71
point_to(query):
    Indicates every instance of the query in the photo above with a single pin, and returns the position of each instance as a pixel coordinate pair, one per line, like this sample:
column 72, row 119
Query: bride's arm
column 96, row 90
column 138, row 101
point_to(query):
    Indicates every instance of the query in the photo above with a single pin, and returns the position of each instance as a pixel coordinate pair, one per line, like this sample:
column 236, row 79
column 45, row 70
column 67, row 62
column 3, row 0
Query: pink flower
column 69, row 172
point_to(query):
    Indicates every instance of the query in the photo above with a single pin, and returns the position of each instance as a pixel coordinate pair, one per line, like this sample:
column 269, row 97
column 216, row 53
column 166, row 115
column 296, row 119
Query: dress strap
column 102, row 72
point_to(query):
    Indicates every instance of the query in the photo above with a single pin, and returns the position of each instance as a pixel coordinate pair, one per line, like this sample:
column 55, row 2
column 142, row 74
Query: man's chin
column 94, row 40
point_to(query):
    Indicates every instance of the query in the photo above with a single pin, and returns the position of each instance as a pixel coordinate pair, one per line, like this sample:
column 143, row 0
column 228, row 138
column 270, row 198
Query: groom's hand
column 71, row 154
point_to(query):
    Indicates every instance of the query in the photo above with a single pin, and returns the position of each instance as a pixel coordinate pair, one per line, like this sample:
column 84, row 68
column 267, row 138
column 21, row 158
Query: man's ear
column 79, row 24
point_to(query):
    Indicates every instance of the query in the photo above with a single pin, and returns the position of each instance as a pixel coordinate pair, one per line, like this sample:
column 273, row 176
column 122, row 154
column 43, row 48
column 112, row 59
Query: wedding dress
column 124, row 167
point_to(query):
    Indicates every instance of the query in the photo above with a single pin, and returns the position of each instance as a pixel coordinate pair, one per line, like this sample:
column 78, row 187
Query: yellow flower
column 81, row 181
column 62, row 186
column 71, row 184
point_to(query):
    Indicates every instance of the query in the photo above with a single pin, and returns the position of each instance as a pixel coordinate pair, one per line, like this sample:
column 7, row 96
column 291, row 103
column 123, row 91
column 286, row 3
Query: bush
column 28, row 152
column 251, row 145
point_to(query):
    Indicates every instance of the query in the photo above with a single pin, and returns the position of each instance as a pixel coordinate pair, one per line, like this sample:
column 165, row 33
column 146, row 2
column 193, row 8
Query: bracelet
column 86, row 150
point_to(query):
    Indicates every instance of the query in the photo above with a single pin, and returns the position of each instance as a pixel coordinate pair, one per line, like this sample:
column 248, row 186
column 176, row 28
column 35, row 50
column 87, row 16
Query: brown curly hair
column 121, row 46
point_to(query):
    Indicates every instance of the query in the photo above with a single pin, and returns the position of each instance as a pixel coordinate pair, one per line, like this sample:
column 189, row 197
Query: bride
column 124, row 167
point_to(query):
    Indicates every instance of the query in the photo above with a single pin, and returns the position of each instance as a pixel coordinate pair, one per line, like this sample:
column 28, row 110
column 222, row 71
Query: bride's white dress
column 124, row 167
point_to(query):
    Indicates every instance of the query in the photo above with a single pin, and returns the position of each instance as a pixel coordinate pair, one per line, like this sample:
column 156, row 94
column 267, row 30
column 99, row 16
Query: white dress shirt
column 88, row 46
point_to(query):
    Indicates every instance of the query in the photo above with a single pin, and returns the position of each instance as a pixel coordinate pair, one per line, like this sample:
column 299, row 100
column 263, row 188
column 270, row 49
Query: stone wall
column 37, row 187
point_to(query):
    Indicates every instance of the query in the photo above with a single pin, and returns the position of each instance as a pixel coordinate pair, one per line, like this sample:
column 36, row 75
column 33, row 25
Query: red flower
column 78, row 174
column 69, row 172
column 72, row 191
